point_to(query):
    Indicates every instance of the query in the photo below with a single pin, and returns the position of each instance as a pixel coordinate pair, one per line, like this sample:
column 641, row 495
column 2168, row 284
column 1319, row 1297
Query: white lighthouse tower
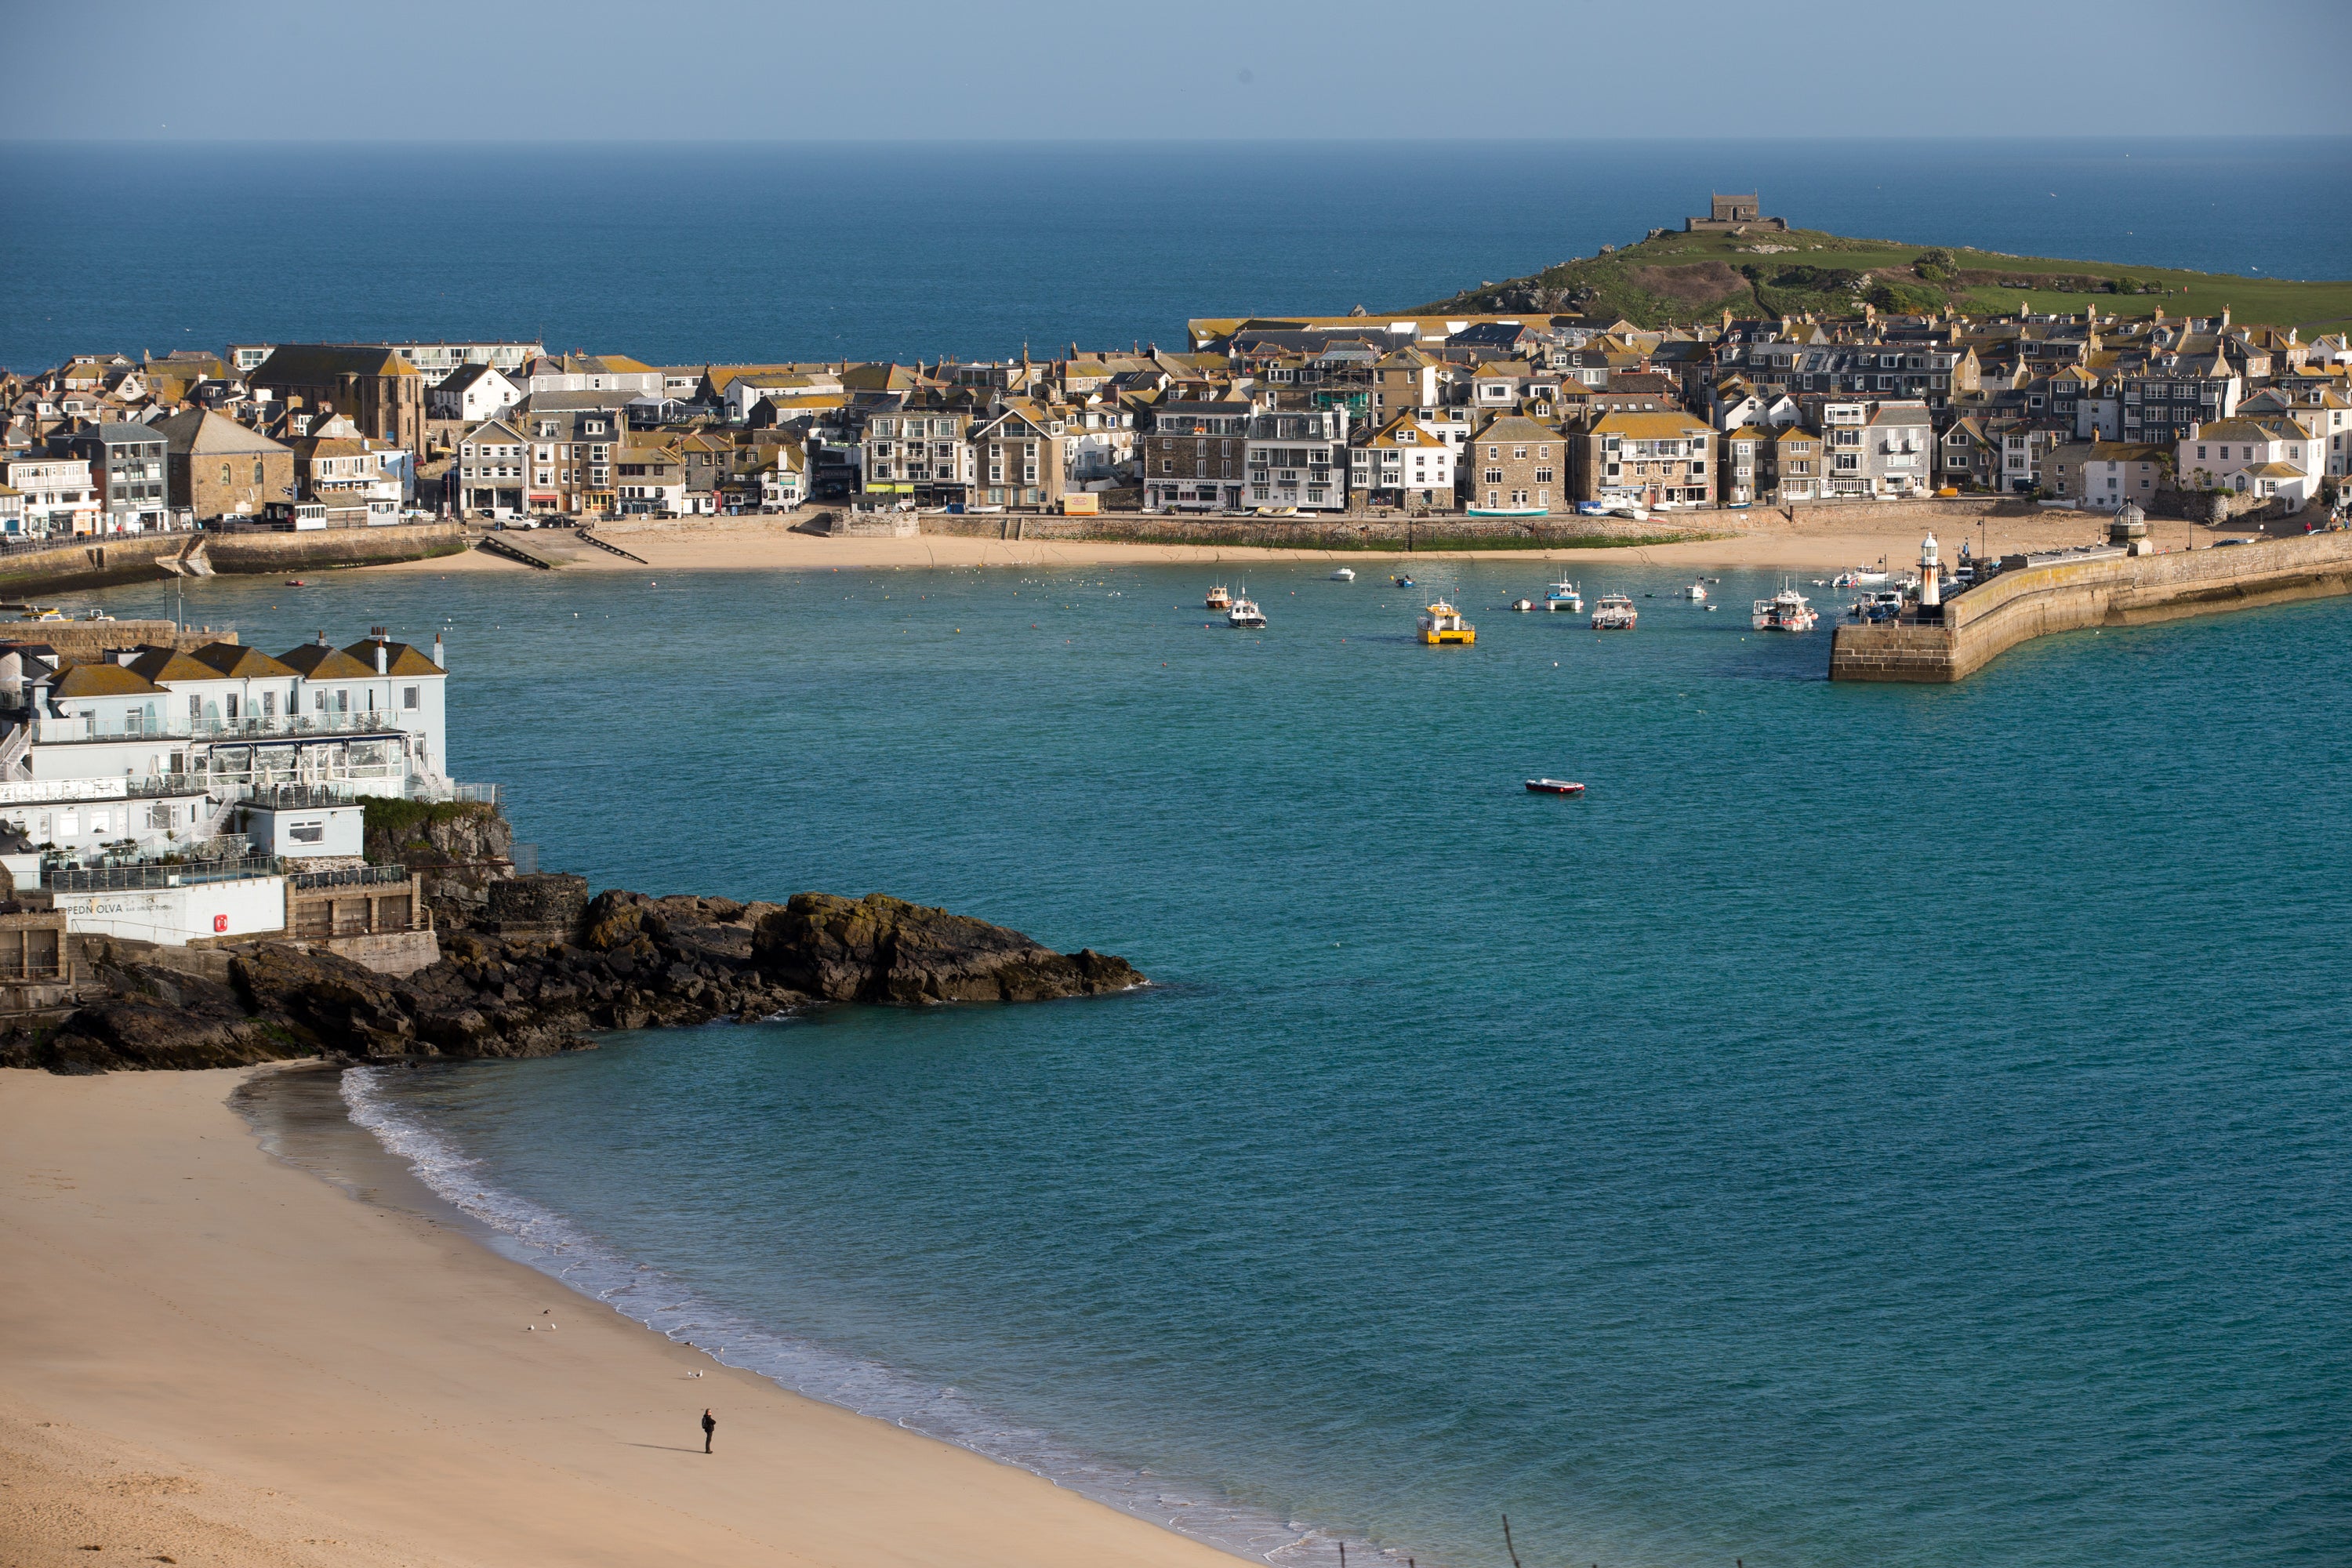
column 1931, row 591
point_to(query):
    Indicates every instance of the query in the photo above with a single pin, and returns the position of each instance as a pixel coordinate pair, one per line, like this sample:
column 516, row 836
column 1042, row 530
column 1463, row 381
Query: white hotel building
column 175, row 797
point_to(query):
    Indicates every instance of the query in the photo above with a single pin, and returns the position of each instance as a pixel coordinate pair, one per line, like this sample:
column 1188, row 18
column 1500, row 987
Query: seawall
column 95, row 640
column 1986, row 621
column 134, row 558
column 1384, row 535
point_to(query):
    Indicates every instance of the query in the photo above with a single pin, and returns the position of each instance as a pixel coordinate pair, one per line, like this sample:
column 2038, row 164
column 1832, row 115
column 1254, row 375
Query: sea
column 1889, row 1125
column 1873, row 1124
column 685, row 254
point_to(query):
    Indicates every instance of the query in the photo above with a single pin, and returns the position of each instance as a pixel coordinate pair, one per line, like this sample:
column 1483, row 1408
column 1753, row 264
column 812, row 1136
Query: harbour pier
column 2035, row 595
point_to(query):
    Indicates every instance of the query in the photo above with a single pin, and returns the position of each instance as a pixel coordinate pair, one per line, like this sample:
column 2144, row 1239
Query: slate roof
column 170, row 664
column 104, row 680
column 238, row 661
column 317, row 662
column 314, row 365
column 203, row 432
column 401, row 658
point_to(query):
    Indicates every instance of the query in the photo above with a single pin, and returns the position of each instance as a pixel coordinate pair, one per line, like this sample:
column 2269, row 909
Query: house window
column 225, row 478
column 411, row 698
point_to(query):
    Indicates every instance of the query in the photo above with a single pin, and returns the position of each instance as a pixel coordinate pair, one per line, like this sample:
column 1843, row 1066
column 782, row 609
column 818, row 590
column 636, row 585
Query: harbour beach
column 215, row 1357
column 1770, row 543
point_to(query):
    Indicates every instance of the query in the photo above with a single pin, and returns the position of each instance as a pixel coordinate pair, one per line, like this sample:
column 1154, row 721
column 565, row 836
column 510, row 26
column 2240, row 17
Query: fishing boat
column 1344, row 574
column 1553, row 787
column 1562, row 595
column 1442, row 624
column 1218, row 599
column 1864, row 577
column 1785, row 611
column 1696, row 592
column 1614, row 613
column 1245, row 615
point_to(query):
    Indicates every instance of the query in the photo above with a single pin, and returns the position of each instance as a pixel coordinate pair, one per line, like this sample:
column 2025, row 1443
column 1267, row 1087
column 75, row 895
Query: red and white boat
column 1553, row 787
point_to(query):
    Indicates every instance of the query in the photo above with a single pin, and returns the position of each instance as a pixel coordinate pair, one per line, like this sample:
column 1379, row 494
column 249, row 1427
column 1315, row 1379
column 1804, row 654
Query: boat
column 1245, row 615
column 1344, row 574
column 1562, row 595
column 1506, row 511
column 1402, row 581
column 1863, row 577
column 1785, row 611
column 1696, row 592
column 1553, row 787
column 296, row 583
column 1523, row 603
column 1442, row 624
column 1614, row 613
column 1218, row 599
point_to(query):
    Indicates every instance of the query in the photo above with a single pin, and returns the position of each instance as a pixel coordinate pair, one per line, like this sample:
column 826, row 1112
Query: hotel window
column 269, row 705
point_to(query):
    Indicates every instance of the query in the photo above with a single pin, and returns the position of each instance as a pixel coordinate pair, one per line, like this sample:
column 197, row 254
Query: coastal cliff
column 627, row 961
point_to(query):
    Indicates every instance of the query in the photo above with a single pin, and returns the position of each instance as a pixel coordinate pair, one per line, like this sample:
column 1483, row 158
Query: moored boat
column 1786, row 611
column 1696, row 592
column 1562, row 595
column 1218, row 599
column 1344, row 574
column 1523, row 603
column 1614, row 613
column 1245, row 615
column 1553, row 787
column 1443, row 624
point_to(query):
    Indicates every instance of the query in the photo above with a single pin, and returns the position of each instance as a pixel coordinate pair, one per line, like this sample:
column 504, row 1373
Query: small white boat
column 1344, row 574
column 1785, row 611
column 1614, row 613
column 1245, row 615
column 1523, row 603
column 1696, row 592
column 1554, row 786
column 1562, row 595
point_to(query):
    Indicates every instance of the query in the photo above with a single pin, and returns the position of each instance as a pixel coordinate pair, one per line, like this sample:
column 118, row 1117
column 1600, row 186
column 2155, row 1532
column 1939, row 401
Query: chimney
column 2225, row 318
column 439, row 657
column 382, row 658
column 322, row 637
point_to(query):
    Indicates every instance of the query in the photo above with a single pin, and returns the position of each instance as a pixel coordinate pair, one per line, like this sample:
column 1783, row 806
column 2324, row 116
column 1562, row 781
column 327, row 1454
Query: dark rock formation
column 463, row 848
column 886, row 950
column 626, row 962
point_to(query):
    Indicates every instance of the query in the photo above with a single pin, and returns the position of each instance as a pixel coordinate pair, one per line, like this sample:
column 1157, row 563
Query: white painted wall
column 175, row 916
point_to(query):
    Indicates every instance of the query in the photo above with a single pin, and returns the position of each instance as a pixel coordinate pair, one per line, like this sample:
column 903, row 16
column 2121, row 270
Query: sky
column 703, row 70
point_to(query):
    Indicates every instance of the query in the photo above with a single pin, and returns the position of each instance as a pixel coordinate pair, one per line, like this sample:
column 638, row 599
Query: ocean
column 687, row 254
column 1900, row 1125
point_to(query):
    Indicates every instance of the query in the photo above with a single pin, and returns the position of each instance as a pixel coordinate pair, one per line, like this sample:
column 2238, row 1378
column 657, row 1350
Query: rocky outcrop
column 884, row 949
column 630, row 962
column 462, row 848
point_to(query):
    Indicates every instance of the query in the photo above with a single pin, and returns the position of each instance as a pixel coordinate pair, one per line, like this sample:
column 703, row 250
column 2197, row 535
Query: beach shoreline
column 1813, row 548
column 216, row 1355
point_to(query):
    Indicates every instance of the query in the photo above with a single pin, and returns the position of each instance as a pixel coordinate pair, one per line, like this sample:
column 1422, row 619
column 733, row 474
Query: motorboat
column 1442, row 624
column 1553, row 787
column 1785, row 611
column 1344, row 574
column 1562, row 595
column 1218, row 599
column 1523, row 603
column 1614, row 613
column 1696, row 592
column 1402, row 581
column 1245, row 615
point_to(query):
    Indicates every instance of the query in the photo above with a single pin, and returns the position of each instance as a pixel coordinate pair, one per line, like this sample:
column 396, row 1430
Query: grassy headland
column 1683, row 277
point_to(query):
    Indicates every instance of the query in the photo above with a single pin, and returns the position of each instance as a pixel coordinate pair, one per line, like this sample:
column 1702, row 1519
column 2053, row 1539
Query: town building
column 1880, row 449
column 473, row 393
column 1645, row 458
column 127, row 471
column 375, row 388
column 2271, row 456
column 1734, row 212
column 1295, row 459
column 648, row 481
column 493, row 471
column 58, row 498
column 1516, row 465
column 218, row 468
column 1403, row 463
column 1193, row 455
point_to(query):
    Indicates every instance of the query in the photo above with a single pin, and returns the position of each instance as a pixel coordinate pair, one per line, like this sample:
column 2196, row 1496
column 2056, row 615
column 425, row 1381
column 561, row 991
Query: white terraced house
column 161, row 795
column 2262, row 456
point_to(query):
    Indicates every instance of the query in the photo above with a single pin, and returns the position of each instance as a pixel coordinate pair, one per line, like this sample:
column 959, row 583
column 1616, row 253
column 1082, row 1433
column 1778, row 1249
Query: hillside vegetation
column 1683, row 277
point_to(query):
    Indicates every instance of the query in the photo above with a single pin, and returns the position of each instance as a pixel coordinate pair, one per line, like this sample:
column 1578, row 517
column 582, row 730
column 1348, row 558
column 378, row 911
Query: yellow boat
column 1442, row 623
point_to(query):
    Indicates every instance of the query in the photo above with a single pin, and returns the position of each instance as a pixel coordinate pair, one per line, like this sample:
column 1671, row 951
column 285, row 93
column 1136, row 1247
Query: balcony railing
column 437, row 791
column 151, row 874
column 139, row 727
column 350, row 877
column 296, row 797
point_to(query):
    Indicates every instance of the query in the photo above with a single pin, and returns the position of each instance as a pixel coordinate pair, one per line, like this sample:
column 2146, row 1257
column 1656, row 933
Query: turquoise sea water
column 1898, row 1125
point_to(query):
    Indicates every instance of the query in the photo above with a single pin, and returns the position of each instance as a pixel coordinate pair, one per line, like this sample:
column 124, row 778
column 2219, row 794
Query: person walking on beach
column 709, row 1424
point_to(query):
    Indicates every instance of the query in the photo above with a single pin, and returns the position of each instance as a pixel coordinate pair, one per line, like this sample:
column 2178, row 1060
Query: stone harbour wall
column 134, row 557
column 1986, row 622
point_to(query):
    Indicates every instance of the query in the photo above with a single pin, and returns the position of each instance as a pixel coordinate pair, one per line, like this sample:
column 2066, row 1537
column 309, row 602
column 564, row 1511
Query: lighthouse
column 1930, row 590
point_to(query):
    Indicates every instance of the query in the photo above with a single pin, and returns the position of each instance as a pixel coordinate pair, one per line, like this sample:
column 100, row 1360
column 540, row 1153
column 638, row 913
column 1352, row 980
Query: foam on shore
column 532, row 1235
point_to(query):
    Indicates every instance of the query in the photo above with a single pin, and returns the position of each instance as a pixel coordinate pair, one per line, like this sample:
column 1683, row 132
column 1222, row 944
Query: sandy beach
column 1768, row 542
column 209, row 1356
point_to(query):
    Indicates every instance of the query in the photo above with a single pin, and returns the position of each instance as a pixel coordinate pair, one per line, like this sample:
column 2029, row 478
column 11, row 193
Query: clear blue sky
column 472, row 71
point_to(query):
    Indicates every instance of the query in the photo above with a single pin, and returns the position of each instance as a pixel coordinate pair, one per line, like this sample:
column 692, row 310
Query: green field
column 1687, row 278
